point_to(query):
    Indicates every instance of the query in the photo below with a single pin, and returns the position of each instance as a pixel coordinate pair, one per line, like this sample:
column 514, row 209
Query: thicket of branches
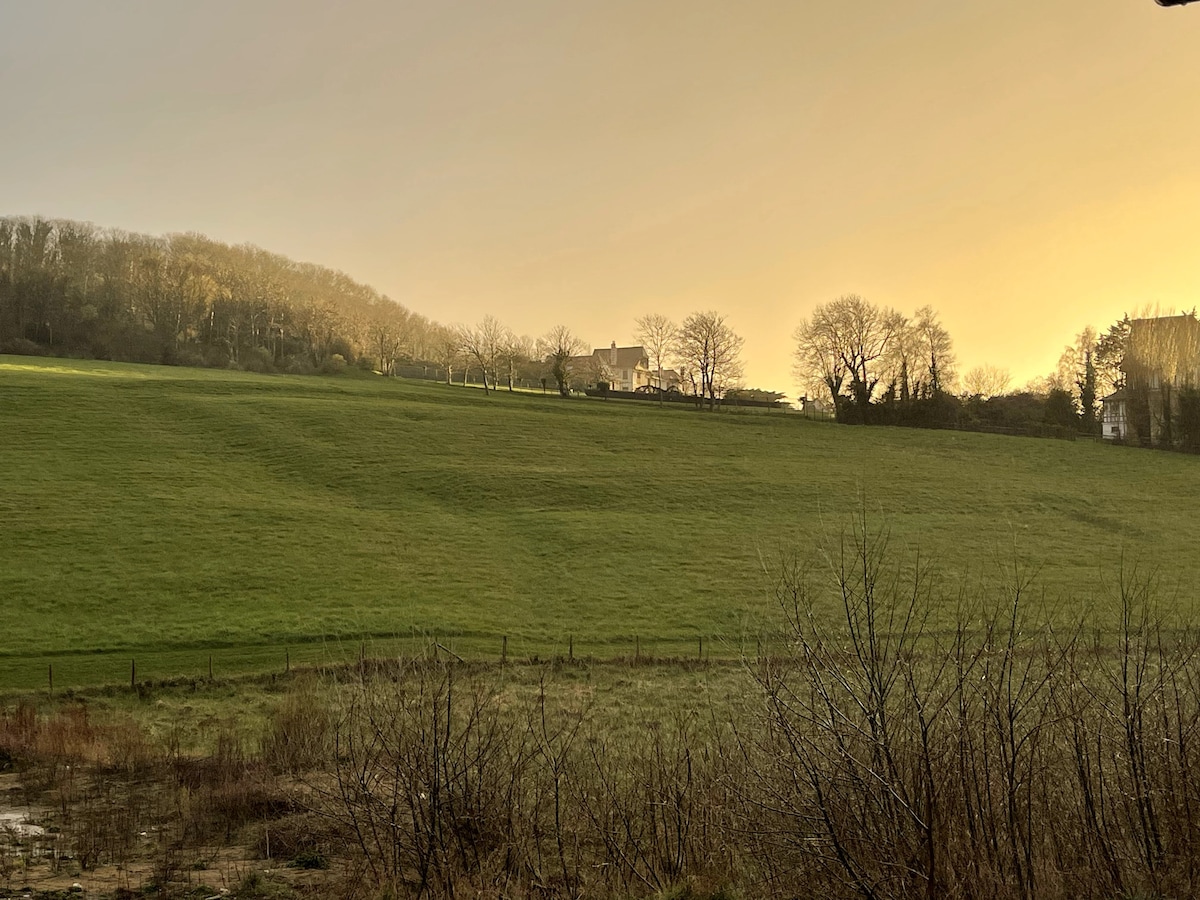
column 887, row 756
column 906, row 744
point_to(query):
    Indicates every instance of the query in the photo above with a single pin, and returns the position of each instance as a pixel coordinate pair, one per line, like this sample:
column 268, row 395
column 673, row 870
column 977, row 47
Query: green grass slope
column 158, row 513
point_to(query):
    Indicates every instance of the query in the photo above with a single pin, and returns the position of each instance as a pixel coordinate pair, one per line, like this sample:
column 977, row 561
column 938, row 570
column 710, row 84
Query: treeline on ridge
column 74, row 289
column 71, row 288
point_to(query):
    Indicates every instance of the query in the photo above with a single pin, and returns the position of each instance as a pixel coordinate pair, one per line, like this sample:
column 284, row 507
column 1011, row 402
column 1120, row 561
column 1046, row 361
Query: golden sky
column 1027, row 168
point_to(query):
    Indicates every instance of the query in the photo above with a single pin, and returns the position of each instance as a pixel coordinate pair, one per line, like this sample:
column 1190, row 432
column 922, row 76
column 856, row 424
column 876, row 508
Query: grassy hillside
column 157, row 513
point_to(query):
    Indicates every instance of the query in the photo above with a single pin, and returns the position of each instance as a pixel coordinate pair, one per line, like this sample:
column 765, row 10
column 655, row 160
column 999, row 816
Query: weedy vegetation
column 876, row 756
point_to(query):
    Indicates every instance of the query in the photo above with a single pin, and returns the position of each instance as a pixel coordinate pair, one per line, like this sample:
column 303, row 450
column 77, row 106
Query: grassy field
column 170, row 515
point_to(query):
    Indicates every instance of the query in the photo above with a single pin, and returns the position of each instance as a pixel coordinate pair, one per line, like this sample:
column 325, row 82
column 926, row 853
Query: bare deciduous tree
column 485, row 344
column 919, row 361
column 446, row 344
column 656, row 333
column 387, row 331
column 986, row 381
column 420, row 334
column 707, row 344
column 557, row 347
column 516, row 351
column 841, row 346
column 937, row 351
column 1073, row 362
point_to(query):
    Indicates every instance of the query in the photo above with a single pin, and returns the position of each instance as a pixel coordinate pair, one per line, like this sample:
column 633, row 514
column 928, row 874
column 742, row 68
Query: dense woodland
column 70, row 288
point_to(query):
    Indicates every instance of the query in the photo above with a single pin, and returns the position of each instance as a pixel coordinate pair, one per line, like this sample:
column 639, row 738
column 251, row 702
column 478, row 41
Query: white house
column 623, row 368
column 1114, row 421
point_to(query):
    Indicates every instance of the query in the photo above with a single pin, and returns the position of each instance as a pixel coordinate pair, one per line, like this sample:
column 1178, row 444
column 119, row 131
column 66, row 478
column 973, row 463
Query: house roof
column 1121, row 394
column 626, row 357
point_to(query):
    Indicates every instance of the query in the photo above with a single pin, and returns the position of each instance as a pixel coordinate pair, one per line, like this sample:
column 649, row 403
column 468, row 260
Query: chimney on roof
column 613, row 353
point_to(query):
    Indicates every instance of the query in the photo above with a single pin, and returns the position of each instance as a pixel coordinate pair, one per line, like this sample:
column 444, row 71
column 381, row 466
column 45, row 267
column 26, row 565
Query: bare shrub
column 998, row 757
column 445, row 785
column 853, row 785
column 424, row 778
column 906, row 743
column 649, row 804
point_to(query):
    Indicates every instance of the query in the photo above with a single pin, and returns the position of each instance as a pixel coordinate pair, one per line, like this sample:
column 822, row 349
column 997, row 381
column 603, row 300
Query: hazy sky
column 1027, row 168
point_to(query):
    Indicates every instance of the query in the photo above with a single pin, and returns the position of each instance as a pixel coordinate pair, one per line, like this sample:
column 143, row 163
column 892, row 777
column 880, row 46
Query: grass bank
column 173, row 514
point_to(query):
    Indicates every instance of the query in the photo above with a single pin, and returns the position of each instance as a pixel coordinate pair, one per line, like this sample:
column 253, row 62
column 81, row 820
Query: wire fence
column 137, row 670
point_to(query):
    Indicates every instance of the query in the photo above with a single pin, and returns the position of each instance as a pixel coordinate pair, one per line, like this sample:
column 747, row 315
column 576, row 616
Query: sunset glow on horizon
column 1025, row 169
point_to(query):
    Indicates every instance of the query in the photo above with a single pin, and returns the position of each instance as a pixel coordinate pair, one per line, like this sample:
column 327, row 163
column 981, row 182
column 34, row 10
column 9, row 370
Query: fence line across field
column 66, row 673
